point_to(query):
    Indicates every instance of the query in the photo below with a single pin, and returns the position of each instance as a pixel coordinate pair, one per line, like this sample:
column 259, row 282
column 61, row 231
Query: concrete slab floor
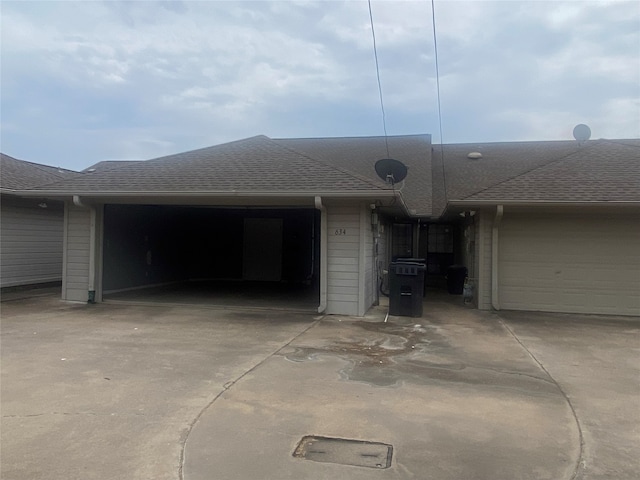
column 139, row 392
column 284, row 296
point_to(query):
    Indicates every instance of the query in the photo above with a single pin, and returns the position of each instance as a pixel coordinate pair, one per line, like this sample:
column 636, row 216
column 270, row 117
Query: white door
column 577, row 263
column 262, row 258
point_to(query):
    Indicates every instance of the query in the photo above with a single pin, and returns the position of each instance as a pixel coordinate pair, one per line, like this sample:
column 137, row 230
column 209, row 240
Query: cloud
column 85, row 81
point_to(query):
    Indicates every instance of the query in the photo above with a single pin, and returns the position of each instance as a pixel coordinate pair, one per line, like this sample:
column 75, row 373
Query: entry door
column 262, row 258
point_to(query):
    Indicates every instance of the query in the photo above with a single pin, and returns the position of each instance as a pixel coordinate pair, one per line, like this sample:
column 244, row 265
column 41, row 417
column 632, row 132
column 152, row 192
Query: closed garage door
column 570, row 263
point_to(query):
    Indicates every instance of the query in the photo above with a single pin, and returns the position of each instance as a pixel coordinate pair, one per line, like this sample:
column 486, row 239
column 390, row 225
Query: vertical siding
column 483, row 246
column 31, row 242
column 75, row 283
column 343, row 245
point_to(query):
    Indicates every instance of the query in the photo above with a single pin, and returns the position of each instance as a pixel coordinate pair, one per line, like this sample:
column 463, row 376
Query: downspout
column 495, row 301
column 416, row 248
column 323, row 254
column 91, row 298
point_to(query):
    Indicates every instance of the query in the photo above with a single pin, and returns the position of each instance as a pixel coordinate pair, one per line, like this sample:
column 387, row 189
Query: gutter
column 323, row 254
column 549, row 203
column 495, row 299
column 209, row 193
column 91, row 297
column 96, row 194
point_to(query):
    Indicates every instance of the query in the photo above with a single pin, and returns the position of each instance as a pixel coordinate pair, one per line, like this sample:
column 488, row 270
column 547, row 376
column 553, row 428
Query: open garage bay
column 206, row 255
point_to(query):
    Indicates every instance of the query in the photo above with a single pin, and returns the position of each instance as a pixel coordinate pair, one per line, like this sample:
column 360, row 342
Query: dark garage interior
column 245, row 256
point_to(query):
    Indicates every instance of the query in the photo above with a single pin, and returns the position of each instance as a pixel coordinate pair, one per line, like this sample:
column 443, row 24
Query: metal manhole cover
column 343, row 451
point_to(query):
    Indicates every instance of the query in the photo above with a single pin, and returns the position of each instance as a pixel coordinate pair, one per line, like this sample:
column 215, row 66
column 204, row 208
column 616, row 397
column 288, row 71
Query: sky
column 88, row 81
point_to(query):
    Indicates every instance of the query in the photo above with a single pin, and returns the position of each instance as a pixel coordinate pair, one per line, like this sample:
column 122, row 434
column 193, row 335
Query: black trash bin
column 456, row 275
column 406, row 287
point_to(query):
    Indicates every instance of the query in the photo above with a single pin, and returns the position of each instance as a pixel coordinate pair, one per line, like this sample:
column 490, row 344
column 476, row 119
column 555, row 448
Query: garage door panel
column 580, row 263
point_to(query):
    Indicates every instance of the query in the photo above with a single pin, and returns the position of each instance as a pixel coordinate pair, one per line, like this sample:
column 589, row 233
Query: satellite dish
column 390, row 170
column 581, row 132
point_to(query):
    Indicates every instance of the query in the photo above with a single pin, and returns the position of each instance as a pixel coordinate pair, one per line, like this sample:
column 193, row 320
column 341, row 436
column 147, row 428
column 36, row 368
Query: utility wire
column 375, row 53
column 435, row 48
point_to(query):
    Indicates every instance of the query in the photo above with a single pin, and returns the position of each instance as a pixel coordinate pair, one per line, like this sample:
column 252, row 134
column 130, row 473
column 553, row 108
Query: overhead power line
column 375, row 53
column 435, row 48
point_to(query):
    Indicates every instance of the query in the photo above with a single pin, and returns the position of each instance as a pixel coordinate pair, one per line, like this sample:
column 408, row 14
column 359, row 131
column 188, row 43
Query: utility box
column 406, row 287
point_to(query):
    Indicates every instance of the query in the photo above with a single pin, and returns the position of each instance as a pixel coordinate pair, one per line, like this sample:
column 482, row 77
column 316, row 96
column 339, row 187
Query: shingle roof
column 359, row 155
column 603, row 171
column 256, row 164
column 108, row 165
column 20, row 175
column 596, row 170
column 534, row 171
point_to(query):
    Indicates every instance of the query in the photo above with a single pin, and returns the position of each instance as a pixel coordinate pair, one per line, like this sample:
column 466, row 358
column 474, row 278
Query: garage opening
column 245, row 256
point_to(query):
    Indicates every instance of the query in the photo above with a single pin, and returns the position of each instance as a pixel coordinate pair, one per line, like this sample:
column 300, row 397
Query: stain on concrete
column 390, row 354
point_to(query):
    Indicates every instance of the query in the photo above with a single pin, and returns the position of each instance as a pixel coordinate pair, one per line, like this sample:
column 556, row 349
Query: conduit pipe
column 91, row 295
column 495, row 299
column 323, row 254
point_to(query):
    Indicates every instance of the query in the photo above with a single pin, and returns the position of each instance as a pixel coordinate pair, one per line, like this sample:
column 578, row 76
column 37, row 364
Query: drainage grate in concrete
column 343, row 451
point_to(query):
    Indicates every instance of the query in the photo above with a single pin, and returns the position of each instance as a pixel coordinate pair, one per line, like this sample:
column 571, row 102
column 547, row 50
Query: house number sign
column 340, row 231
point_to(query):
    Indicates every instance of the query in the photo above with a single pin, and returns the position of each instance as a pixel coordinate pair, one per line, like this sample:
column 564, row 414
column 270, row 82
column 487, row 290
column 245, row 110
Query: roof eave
column 546, row 203
column 21, row 193
column 207, row 193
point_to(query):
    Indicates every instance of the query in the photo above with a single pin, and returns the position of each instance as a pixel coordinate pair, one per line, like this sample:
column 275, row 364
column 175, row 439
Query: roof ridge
column 326, row 164
column 514, row 142
column 352, row 137
column 527, row 172
column 163, row 157
column 50, row 169
column 622, row 141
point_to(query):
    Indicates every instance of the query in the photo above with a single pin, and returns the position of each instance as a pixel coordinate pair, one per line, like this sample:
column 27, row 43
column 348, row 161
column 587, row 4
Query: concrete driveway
column 132, row 392
column 596, row 362
column 111, row 391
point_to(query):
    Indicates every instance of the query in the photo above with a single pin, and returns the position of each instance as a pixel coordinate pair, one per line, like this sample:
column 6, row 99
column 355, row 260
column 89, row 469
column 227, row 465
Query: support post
column 323, row 254
column 495, row 298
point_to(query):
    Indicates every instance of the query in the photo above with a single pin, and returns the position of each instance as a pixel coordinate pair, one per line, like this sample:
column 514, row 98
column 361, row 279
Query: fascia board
column 206, row 193
column 364, row 194
column 547, row 203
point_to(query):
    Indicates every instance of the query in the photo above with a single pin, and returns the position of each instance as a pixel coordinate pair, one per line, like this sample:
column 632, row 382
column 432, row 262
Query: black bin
column 456, row 274
column 406, row 287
